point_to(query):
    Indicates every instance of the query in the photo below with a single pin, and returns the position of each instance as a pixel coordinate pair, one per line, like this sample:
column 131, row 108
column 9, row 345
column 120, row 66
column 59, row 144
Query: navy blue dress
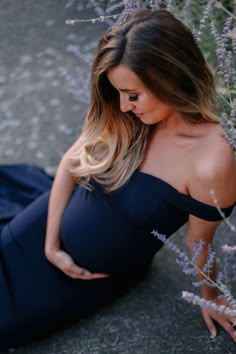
column 103, row 232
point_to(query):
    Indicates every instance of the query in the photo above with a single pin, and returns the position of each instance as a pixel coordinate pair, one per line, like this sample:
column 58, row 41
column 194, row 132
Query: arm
column 61, row 191
column 221, row 177
column 200, row 229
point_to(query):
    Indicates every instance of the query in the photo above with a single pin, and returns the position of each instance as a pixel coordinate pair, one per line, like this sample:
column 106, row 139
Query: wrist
column 51, row 248
column 209, row 293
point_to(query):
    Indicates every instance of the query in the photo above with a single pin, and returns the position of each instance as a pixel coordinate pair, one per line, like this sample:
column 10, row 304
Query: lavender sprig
column 205, row 16
column 222, row 276
column 184, row 260
column 229, row 259
column 172, row 246
column 199, row 283
column 224, row 56
column 155, row 4
column 227, row 295
column 197, row 249
column 197, row 300
column 229, row 249
column 211, row 256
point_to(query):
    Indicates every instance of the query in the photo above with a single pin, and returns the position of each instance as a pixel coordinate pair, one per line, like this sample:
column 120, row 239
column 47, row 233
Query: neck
column 177, row 127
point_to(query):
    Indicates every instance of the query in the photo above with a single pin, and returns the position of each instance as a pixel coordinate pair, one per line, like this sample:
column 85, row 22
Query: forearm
column 62, row 189
column 60, row 194
column 207, row 291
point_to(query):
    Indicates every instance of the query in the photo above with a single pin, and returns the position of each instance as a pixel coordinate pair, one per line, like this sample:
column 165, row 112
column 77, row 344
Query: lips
column 138, row 114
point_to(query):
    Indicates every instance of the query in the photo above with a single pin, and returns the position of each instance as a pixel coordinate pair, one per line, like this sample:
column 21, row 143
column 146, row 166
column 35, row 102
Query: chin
column 148, row 121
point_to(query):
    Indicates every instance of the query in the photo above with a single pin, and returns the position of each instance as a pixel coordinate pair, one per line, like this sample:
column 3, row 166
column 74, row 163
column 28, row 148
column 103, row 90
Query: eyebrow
column 127, row 90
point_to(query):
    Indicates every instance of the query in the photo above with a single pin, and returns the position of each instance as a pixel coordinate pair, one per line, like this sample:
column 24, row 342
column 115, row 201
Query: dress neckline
column 183, row 195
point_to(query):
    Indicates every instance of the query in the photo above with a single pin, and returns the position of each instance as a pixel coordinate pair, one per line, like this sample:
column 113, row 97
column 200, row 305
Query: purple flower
column 211, row 256
column 224, row 55
column 197, row 300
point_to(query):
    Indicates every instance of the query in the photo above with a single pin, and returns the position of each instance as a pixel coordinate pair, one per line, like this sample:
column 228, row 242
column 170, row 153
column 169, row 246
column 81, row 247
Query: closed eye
column 133, row 98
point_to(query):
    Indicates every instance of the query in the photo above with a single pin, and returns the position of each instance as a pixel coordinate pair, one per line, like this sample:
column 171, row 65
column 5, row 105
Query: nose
column 125, row 104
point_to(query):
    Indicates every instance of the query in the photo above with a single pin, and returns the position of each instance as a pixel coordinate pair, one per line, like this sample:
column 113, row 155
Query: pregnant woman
column 150, row 151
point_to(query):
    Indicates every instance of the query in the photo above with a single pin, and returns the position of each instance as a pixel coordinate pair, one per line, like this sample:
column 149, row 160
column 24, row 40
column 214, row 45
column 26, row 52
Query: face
column 135, row 97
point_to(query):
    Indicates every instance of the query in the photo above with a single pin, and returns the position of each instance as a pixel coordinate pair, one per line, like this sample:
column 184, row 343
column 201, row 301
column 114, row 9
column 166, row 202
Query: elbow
column 190, row 239
column 189, row 243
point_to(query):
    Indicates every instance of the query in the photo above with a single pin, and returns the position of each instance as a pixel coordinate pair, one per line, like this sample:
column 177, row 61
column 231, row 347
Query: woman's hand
column 224, row 320
column 65, row 263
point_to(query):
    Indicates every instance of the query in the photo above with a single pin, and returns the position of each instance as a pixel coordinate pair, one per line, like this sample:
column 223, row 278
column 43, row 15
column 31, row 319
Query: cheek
column 153, row 105
column 148, row 103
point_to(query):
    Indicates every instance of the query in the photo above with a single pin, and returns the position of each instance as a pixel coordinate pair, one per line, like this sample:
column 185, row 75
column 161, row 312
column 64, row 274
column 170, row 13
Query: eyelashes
column 133, row 98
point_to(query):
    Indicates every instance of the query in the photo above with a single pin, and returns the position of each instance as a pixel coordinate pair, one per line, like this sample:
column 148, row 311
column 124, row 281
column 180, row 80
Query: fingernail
column 213, row 334
column 87, row 273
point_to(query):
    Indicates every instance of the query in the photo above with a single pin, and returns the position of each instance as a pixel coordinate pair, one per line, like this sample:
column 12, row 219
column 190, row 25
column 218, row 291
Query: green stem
column 204, row 274
column 229, row 94
column 220, row 5
column 224, row 99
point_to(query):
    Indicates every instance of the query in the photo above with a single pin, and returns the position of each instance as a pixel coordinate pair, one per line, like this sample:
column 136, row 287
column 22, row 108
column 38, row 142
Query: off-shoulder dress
column 103, row 232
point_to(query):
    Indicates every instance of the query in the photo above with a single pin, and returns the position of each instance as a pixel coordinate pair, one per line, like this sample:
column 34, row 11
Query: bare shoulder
column 214, row 168
column 75, row 147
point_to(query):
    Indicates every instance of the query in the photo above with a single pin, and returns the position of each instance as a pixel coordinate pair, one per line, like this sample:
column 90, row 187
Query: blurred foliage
column 191, row 13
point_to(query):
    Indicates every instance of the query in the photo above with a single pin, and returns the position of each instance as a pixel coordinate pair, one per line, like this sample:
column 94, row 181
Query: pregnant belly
column 100, row 239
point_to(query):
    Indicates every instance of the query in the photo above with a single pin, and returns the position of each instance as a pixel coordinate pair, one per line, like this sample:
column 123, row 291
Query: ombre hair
column 162, row 52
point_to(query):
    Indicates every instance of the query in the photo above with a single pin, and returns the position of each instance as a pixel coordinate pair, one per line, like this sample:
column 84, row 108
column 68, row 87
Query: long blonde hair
column 162, row 52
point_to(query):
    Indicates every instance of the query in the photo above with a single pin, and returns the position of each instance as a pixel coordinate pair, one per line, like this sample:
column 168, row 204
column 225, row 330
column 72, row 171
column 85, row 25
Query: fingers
column 89, row 276
column 65, row 263
column 233, row 321
column 230, row 329
column 210, row 325
column 224, row 321
column 227, row 324
column 77, row 272
column 85, row 274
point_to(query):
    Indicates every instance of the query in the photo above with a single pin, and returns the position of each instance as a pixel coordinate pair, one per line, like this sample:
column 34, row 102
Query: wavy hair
column 162, row 52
